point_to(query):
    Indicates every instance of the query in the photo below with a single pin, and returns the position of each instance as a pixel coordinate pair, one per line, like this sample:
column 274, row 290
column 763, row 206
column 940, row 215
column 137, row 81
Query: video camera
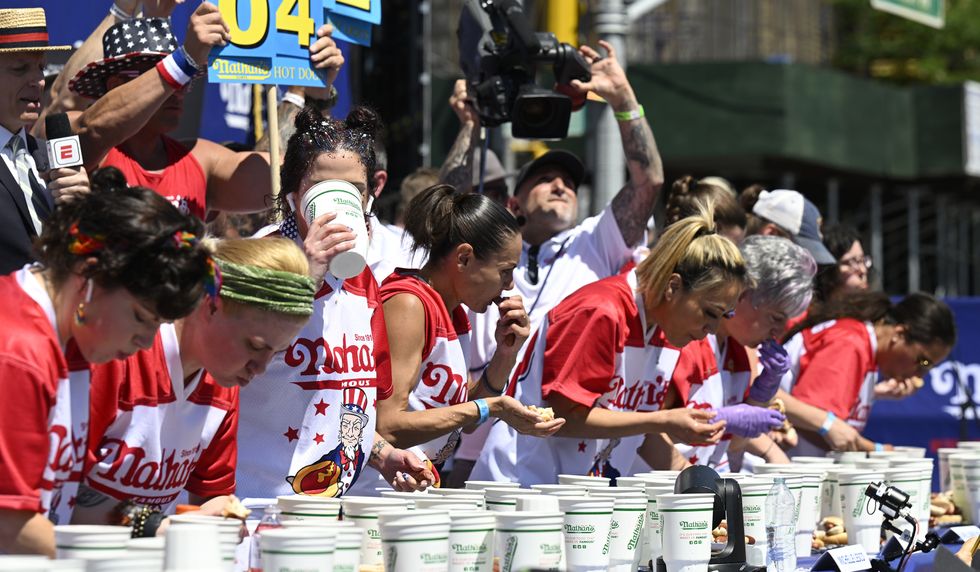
column 499, row 54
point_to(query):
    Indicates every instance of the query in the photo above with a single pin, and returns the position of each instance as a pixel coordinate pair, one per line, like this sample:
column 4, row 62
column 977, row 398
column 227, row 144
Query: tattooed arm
column 457, row 170
column 400, row 468
column 634, row 203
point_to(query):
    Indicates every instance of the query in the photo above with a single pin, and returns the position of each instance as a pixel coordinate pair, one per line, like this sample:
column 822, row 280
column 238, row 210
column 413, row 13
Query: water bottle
column 781, row 527
column 270, row 519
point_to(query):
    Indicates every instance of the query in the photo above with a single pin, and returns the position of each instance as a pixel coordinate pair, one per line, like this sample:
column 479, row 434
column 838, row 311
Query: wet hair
column 688, row 195
column 782, row 272
column 838, row 238
column 441, row 217
column 691, row 248
column 140, row 247
column 316, row 135
column 926, row 319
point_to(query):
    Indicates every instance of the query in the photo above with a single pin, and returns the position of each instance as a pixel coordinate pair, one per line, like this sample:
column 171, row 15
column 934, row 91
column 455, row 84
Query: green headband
column 273, row 290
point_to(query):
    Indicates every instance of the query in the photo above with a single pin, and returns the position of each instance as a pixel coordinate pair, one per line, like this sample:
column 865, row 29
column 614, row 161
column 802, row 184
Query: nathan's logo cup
column 343, row 198
column 587, row 524
column 863, row 525
column 530, row 540
column 415, row 540
column 686, row 529
column 310, row 549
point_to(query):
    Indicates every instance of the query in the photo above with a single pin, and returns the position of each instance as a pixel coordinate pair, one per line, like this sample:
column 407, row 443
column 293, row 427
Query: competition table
column 919, row 562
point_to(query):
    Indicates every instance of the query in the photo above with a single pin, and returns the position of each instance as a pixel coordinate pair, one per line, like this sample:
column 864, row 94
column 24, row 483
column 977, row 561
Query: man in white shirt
column 558, row 256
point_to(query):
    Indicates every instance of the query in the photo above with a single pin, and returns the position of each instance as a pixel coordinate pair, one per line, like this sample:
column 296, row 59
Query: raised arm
column 124, row 110
column 457, row 169
column 634, row 203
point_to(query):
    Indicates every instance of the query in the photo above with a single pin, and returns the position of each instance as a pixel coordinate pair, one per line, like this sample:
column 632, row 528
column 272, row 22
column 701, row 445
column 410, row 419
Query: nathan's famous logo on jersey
column 448, row 387
column 131, row 467
column 318, row 357
column 64, row 450
column 640, row 395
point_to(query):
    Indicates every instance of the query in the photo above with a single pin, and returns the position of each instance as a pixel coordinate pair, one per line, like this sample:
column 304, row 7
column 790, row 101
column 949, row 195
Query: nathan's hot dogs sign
column 270, row 39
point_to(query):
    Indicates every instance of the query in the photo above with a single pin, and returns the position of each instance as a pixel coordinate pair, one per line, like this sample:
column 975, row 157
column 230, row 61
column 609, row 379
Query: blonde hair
column 692, row 249
column 279, row 254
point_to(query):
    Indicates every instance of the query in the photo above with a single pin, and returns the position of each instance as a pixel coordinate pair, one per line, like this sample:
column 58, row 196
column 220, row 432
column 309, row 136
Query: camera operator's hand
column 463, row 106
column 608, row 78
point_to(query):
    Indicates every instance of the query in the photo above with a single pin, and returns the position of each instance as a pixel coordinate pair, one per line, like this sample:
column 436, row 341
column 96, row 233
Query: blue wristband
column 483, row 409
column 827, row 423
column 183, row 60
column 879, row 447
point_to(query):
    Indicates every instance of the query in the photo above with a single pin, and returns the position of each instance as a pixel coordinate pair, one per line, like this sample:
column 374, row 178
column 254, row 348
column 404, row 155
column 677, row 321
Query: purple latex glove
column 775, row 364
column 747, row 420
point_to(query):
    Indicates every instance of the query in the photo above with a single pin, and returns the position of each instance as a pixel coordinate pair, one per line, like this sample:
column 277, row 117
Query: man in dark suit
column 25, row 202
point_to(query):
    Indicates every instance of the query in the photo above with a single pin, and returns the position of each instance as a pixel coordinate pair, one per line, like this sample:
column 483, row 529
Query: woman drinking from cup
column 473, row 245
column 839, row 351
column 309, row 419
column 113, row 265
column 165, row 419
column 603, row 358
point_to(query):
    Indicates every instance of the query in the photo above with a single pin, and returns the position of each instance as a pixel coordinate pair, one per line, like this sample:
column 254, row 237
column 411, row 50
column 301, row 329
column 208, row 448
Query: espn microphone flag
column 64, row 149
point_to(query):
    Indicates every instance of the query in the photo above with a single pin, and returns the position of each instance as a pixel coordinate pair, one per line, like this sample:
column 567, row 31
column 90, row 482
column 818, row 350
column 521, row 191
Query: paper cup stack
column 686, row 530
column 363, row 512
column 192, row 547
column 626, row 535
column 303, row 507
column 530, row 540
column 91, row 542
column 863, row 526
column 348, row 540
column 471, row 540
column 587, row 523
column 229, row 529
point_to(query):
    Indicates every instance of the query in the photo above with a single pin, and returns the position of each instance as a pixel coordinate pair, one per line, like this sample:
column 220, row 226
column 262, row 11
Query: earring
column 80, row 310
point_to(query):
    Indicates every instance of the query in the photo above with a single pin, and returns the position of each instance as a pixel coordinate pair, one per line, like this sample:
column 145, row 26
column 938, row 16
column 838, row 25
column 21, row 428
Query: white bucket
column 686, row 530
column 584, row 480
column 754, row 493
column 192, row 547
column 306, row 549
column 90, row 541
column 343, row 198
column 863, row 526
column 587, row 526
column 471, row 535
column 415, row 541
column 363, row 511
column 530, row 540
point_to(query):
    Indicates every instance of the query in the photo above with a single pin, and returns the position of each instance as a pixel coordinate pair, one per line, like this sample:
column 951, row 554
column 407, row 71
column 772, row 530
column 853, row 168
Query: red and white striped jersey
column 443, row 373
column 44, row 409
column 596, row 349
column 837, row 371
column 151, row 436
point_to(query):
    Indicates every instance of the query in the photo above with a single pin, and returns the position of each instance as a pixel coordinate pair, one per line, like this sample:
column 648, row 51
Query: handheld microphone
column 64, row 149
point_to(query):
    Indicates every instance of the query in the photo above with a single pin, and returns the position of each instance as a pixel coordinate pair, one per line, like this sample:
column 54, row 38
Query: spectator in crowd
column 787, row 214
column 783, row 276
column 139, row 90
column 559, row 256
column 27, row 202
column 113, row 265
column 839, row 351
column 181, row 394
column 603, row 358
column 414, row 183
column 314, row 410
column 473, row 245
column 850, row 274
column 688, row 195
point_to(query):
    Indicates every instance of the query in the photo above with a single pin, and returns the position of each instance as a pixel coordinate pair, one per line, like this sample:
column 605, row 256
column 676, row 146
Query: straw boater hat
column 25, row 30
column 125, row 46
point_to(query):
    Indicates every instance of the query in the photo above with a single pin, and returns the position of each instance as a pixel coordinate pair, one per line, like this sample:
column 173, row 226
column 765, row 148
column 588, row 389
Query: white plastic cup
column 686, row 530
column 943, row 453
column 305, row 506
column 537, row 503
column 958, row 482
column 480, row 485
column 347, row 551
column 458, row 492
column 873, row 464
column 909, row 481
column 886, row 454
column 443, row 503
column 862, row 528
column 530, row 540
column 626, row 534
column 631, row 482
column 24, row 563
column 754, row 493
column 969, row 470
column 587, row 526
column 658, row 473
column 917, row 452
column 806, row 522
column 229, row 532
column 830, row 495
column 847, row 457
column 363, row 512
column 78, row 565
column 505, row 500
column 811, row 460
column 652, row 548
column 343, row 198
column 410, row 497
column 307, row 549
column 415, row 541
column 583, row 480
column 968, row 445
column 562, row 490
column 90, row 541
column 126, row 562
column 471, row 537
column 192, row 547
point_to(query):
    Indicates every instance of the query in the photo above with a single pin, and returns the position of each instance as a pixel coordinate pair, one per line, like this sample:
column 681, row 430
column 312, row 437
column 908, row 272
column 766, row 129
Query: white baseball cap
column 795, row 214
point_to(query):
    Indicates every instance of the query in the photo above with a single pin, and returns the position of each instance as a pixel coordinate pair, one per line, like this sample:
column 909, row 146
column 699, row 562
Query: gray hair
column 783, row 273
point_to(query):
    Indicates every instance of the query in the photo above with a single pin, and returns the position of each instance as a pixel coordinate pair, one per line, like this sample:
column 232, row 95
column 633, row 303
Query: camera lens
column 536, row 112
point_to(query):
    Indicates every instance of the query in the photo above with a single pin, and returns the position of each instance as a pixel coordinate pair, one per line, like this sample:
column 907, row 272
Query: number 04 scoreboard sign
column 270, row 39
